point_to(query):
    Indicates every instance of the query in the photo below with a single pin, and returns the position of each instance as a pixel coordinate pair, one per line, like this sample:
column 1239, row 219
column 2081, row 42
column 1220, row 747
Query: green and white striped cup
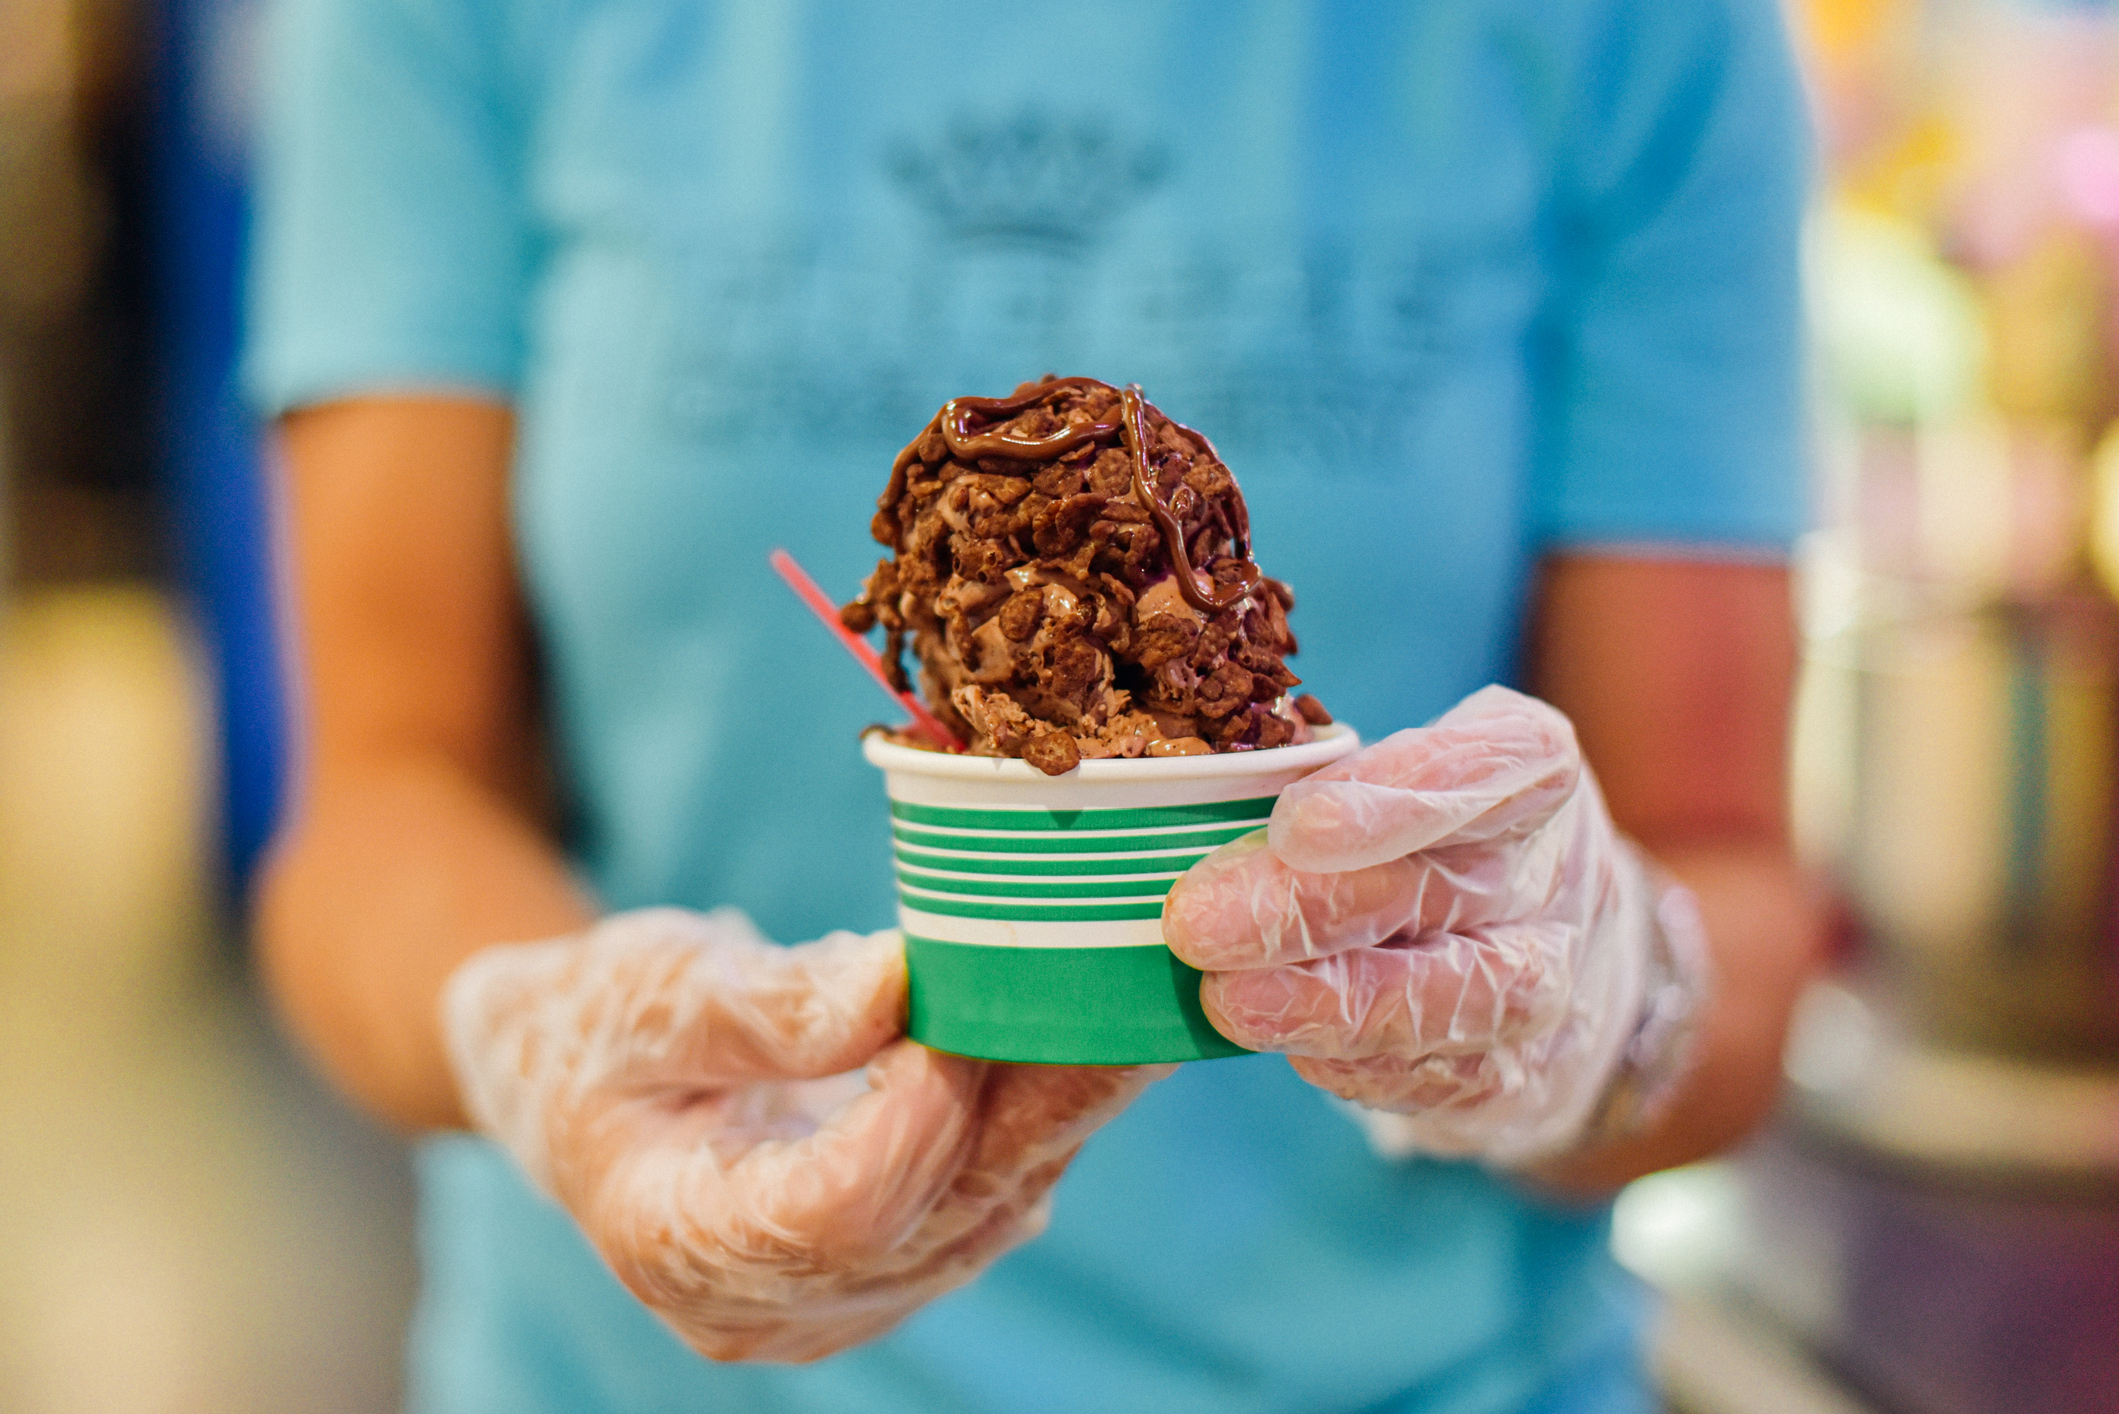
column 1032, row 904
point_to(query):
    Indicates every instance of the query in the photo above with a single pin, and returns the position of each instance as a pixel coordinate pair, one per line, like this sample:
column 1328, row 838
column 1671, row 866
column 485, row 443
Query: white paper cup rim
column 1329, row 744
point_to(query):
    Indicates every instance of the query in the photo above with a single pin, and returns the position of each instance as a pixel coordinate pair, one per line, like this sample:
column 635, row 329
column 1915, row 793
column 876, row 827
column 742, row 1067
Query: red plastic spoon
column 820, row 604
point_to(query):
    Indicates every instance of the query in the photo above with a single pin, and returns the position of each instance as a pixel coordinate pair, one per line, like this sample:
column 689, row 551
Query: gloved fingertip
column 1361, row 1083
column 851, row 955
column 1249, row 1008
column 1307, row 823
column 1495, row 701
column 1332, row 827
column 1490, row 700
column 1188, row 921
column 907, row 1065
column 1206, row 917
column 836, row 1002
column 867, row 970
column 1306, row 809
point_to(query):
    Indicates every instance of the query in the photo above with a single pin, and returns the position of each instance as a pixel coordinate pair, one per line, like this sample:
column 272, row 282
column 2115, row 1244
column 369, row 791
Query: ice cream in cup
column 1103, row 699
column 1032, row 904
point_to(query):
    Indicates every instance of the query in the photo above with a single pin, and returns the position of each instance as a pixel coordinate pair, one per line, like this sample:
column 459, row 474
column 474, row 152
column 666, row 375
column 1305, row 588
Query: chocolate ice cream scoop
column 1074, row 571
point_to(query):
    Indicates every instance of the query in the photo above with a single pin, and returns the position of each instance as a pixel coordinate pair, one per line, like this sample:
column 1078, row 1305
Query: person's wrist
column 1660, row 1049
column 494, row 1010
column 1638, row 1059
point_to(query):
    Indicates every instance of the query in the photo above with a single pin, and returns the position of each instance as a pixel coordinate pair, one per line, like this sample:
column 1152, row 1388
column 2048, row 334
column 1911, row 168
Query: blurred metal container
column 1981, row 789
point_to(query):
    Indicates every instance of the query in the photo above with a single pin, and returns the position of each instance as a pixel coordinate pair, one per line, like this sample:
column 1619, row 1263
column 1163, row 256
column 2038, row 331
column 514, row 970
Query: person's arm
column 1677, row 676
column 626, row 1062
column 1450, row 928
column 413, row 835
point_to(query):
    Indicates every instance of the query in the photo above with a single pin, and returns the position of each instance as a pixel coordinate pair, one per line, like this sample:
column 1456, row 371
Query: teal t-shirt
column 1451, row 284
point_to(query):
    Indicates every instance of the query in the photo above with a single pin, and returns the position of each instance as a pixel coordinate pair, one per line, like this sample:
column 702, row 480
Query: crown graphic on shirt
column 1033, row 177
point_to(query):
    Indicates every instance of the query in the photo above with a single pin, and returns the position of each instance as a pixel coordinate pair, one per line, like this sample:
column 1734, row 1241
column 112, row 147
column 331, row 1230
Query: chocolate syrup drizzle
column 954, row 423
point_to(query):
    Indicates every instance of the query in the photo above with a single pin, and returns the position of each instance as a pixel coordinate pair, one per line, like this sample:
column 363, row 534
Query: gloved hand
column 1447, row 926
column 677, row 1083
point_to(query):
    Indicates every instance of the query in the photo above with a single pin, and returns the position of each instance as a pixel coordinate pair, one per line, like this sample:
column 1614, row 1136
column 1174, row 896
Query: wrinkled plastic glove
column 1446, row 927
column 679, row 1085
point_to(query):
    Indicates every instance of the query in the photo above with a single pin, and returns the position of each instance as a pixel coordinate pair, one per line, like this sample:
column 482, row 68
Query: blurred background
column 188, row 1222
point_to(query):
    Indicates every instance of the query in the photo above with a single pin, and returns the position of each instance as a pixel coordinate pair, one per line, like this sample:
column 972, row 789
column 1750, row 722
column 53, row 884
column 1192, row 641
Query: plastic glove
column 1447, row 926
column 676, row 1082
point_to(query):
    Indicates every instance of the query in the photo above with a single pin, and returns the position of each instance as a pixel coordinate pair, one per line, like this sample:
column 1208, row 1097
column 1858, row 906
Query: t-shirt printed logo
column 1033, row 177
column 978, row 251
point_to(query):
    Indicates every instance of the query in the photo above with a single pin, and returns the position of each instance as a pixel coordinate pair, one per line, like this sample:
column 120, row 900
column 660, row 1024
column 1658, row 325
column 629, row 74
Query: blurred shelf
column 1715, row 1349
column 1857, row 1080
column 1714, row 1356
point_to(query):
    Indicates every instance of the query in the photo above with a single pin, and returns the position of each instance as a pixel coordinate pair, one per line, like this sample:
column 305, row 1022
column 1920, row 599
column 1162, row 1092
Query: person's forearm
column 1676, row 673
column 1753, row 900
column 389, row 876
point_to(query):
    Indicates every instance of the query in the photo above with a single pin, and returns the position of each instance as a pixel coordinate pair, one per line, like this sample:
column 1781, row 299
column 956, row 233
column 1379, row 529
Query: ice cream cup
column 1032, row 904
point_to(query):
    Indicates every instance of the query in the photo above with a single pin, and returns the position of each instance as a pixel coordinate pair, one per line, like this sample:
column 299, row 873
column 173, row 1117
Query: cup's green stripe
column 1034, row 912
column 1074, row 888
column 1153, row 874
column 1145, row 818
column 1086, row 864
column 1070, row 844
column 1059, row 1006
